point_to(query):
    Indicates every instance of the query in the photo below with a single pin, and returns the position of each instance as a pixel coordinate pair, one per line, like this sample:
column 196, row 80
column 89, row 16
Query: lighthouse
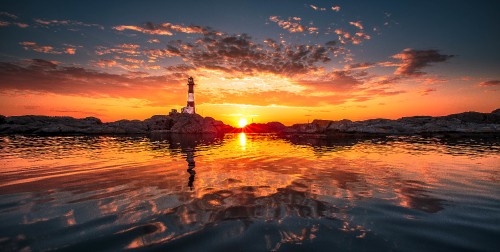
column 189, row 109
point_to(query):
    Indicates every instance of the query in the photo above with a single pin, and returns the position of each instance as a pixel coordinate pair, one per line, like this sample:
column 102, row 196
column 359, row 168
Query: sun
column 242, row 122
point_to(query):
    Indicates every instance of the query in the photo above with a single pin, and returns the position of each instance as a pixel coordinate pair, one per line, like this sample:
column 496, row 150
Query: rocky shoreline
column 467, row 123
column 57, row 125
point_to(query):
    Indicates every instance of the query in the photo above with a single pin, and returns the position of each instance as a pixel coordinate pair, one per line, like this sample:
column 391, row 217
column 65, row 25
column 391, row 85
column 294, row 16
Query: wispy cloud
column 127, row 49
column 28, row 45
column 427, row 91
column 166, row 29
column 336, row 8
column 153, row 41
column 47, row 23
column 490, row 83
column 9, row 15
column 18, row 24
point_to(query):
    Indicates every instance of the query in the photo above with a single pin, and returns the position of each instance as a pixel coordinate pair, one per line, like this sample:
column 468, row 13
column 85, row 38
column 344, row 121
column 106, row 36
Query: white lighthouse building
column 189, row 109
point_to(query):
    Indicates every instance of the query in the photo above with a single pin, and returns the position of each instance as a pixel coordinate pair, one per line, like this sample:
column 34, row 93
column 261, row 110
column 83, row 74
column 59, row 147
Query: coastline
column 454, row 125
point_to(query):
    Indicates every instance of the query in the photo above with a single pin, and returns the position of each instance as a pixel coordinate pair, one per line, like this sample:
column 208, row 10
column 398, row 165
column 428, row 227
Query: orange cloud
column 48, row 77
column 143, row 30
column 166, row 29
column 356, row 39
column 127, row 49
column 37, row 48
column 427, row 91
column 491, row 83
column 103, row 63
column 292, row 24
column 357, row 24
column 70, row 50
column 153, row 41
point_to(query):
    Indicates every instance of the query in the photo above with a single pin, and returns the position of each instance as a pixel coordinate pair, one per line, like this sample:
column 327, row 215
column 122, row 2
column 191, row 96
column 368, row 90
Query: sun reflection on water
column 243, row 140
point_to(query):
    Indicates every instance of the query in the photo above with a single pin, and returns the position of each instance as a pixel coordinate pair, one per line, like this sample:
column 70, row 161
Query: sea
column 249, row 192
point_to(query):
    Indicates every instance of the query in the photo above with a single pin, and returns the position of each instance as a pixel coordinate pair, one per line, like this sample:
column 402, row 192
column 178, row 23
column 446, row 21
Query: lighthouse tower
column 189, row 109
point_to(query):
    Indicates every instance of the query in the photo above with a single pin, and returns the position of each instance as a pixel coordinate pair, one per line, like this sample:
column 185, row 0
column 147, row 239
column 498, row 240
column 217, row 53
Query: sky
column 287, row 61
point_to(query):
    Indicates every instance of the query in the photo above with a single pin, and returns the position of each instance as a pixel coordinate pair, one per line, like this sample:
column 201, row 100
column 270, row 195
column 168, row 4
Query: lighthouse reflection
column 187, row 144
column 191, row 164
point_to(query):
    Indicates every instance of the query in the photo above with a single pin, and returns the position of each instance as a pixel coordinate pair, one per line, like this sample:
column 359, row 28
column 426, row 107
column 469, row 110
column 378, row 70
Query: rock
column 302, row 128
column 468, row 122
column 159, row 122
column 2, row 119
column 270, row 127
column 56, row 129
column 321, row 125
column 131, row 127
column 188, row 124
column 339, row 126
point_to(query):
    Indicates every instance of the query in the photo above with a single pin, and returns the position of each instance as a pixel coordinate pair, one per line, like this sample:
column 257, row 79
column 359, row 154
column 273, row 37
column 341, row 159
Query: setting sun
column 242, row 122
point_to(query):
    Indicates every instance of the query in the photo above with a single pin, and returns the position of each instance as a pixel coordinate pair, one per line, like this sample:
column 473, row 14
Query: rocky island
column 176, row 123
column 183, row 123
column 462, row 123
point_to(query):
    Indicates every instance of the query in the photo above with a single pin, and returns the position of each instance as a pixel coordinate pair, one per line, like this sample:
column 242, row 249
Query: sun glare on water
column 242, row 122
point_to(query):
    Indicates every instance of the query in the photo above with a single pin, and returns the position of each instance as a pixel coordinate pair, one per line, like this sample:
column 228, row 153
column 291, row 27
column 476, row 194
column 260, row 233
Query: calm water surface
column 249, row 193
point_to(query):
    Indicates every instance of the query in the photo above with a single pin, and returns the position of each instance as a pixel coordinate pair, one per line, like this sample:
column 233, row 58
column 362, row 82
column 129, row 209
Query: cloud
column 336, row 8
column 70, row 50
column 49, row 77
column 37, row 48
column 166, row 29
column 240, row 55
column 292, row 24
column 346, row 37
column 39, row 75
column 9, row 15
column 20, row 25
column 359, row 66
column 153, row 41
column 412, row 61
column 316, row 8
column 357, row 24
column 104, row 63
column 427, row 91
column 43, row 22
column 28, row 45
column 143, row 30
column 127, row 49
column 334, row 81
column 491, row 83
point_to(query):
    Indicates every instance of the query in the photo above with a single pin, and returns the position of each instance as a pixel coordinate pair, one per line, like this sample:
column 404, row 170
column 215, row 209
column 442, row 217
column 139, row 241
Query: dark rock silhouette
column 270, row 127
column 462, row 123
column 178, row 123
